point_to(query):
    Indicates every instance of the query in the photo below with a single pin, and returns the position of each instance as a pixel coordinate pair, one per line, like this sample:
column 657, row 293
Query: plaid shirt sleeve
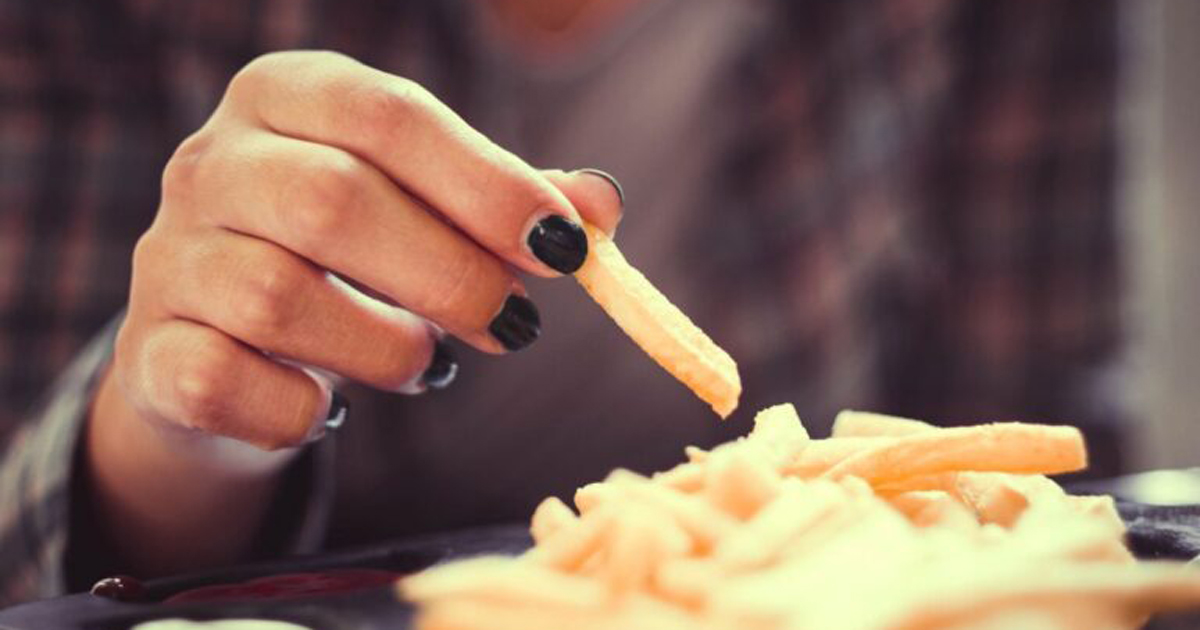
column 35, row 481
column 86, row 106
column 39, row 489
column 82, row 139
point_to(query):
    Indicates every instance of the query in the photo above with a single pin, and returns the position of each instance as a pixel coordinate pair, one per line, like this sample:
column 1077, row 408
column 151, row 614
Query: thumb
column 596, row 195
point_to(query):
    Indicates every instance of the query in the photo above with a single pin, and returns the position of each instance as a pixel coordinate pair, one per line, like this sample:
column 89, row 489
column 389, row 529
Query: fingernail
column 339, row 408
column 518, row 323
column 609, row 178
column 559, row 242
column 442, row 368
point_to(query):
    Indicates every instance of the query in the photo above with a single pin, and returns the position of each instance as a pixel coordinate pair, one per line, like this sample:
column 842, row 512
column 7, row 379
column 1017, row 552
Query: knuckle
column 150, row 280
column 146, row 252
column 321, row 197
column 202, row 386
column 384, row 110
column 268, row 67
column 282, row 65
column 335, row 179
column 250, row 76
column 316, row 225
column 183, row 168
column 264, row 303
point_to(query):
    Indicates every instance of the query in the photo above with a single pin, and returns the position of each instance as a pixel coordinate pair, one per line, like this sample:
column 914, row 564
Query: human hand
column 317, row 174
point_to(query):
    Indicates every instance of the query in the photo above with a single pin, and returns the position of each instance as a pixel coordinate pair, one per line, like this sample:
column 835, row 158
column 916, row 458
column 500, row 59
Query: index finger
column 501, row 202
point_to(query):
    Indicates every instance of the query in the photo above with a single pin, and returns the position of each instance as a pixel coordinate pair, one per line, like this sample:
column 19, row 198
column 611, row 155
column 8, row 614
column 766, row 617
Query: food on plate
column 222, row 624
column 657, row 325
column 891, row 524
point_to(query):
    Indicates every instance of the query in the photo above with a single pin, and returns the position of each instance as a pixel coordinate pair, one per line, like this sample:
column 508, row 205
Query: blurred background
column 1160, row 202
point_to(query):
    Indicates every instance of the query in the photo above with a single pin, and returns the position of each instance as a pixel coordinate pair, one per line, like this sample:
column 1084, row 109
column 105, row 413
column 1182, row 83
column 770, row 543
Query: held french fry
column 657, row 325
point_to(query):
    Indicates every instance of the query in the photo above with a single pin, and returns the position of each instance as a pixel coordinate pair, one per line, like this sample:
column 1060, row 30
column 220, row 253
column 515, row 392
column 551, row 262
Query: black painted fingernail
column 442, row 368
column 610, row 179
column 518, row 323
column 339, row 408
column 559, row 242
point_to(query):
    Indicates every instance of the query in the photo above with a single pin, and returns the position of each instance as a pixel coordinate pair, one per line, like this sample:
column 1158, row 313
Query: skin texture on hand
column 295, row 240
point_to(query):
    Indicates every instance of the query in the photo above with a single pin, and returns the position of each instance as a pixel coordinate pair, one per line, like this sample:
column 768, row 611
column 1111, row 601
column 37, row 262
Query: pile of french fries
column 890, row 524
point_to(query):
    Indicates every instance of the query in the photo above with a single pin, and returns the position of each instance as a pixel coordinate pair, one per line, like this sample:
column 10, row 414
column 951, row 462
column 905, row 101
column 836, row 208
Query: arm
column 35, row 482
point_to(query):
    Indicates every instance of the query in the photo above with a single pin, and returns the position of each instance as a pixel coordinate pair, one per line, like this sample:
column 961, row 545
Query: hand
column 317, row 182
column 317, row 174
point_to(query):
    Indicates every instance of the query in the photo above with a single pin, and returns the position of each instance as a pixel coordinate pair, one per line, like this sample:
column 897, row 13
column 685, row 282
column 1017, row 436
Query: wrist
column 154, row 485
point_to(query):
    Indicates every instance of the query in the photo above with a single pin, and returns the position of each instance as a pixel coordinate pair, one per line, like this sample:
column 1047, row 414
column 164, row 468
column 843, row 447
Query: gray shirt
column 583, row 399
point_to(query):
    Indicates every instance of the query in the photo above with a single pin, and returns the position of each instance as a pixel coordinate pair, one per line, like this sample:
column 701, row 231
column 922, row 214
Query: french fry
column 896, row 525
column 851, row 423
column 695, row 455
column 1003, row 447
column 739, row 483
column 934, row 508
column 550, row 516
column 819, row 456
column 686, row 477
column 778, row 430
column 570, row 547
column 593, row 495
column 766, row 536
column 702, row 522
column 657, row 325
column 688, row 581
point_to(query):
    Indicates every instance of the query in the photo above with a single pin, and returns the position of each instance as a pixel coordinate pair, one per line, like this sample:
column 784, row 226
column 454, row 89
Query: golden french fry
column 634, row 548
column 779, row 427
column 945, row 482
column 550, row 516
column 819, row 456
column 571, row 546
column 593, row 495
column 686, row 477
column 688, row 581
column 702, row 522
column 899, row 526
column 1002, row 447
column 934, row 508
column 657, row 325
column 739, row 481
column 695, row 454
column 764, row 538
column 849, row 423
